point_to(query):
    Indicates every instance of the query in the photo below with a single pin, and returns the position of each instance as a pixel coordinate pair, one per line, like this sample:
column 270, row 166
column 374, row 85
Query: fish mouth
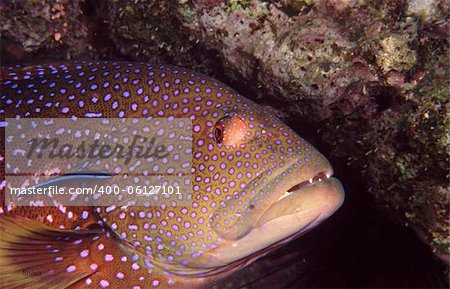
column 321, row 185
column 319, row 177
column 302, row 207
column 297, row 211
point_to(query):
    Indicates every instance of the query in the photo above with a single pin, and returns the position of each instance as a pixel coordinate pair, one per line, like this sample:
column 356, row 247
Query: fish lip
column 294, row 199
column 329, row 181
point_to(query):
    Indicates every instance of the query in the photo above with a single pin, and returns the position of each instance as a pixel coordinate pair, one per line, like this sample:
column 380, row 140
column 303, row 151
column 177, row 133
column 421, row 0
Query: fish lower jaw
column 322, row 198
column 286, row 219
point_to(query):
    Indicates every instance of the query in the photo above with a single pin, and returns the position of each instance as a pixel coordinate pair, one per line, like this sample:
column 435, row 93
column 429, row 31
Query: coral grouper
column 256, row 184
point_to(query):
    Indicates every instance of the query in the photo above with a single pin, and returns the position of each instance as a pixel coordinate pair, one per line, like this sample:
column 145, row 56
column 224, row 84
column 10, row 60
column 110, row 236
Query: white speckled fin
column 34, row 255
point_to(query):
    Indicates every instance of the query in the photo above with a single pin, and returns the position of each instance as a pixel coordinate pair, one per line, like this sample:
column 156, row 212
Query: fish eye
column 229, row 131
column 218, row 133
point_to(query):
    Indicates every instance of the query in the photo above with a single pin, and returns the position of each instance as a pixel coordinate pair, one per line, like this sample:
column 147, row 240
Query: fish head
column 256, row 185
column 265, row 185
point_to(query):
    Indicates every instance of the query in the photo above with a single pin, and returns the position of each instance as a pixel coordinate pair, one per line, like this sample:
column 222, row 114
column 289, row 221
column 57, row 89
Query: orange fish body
column 255, row 183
